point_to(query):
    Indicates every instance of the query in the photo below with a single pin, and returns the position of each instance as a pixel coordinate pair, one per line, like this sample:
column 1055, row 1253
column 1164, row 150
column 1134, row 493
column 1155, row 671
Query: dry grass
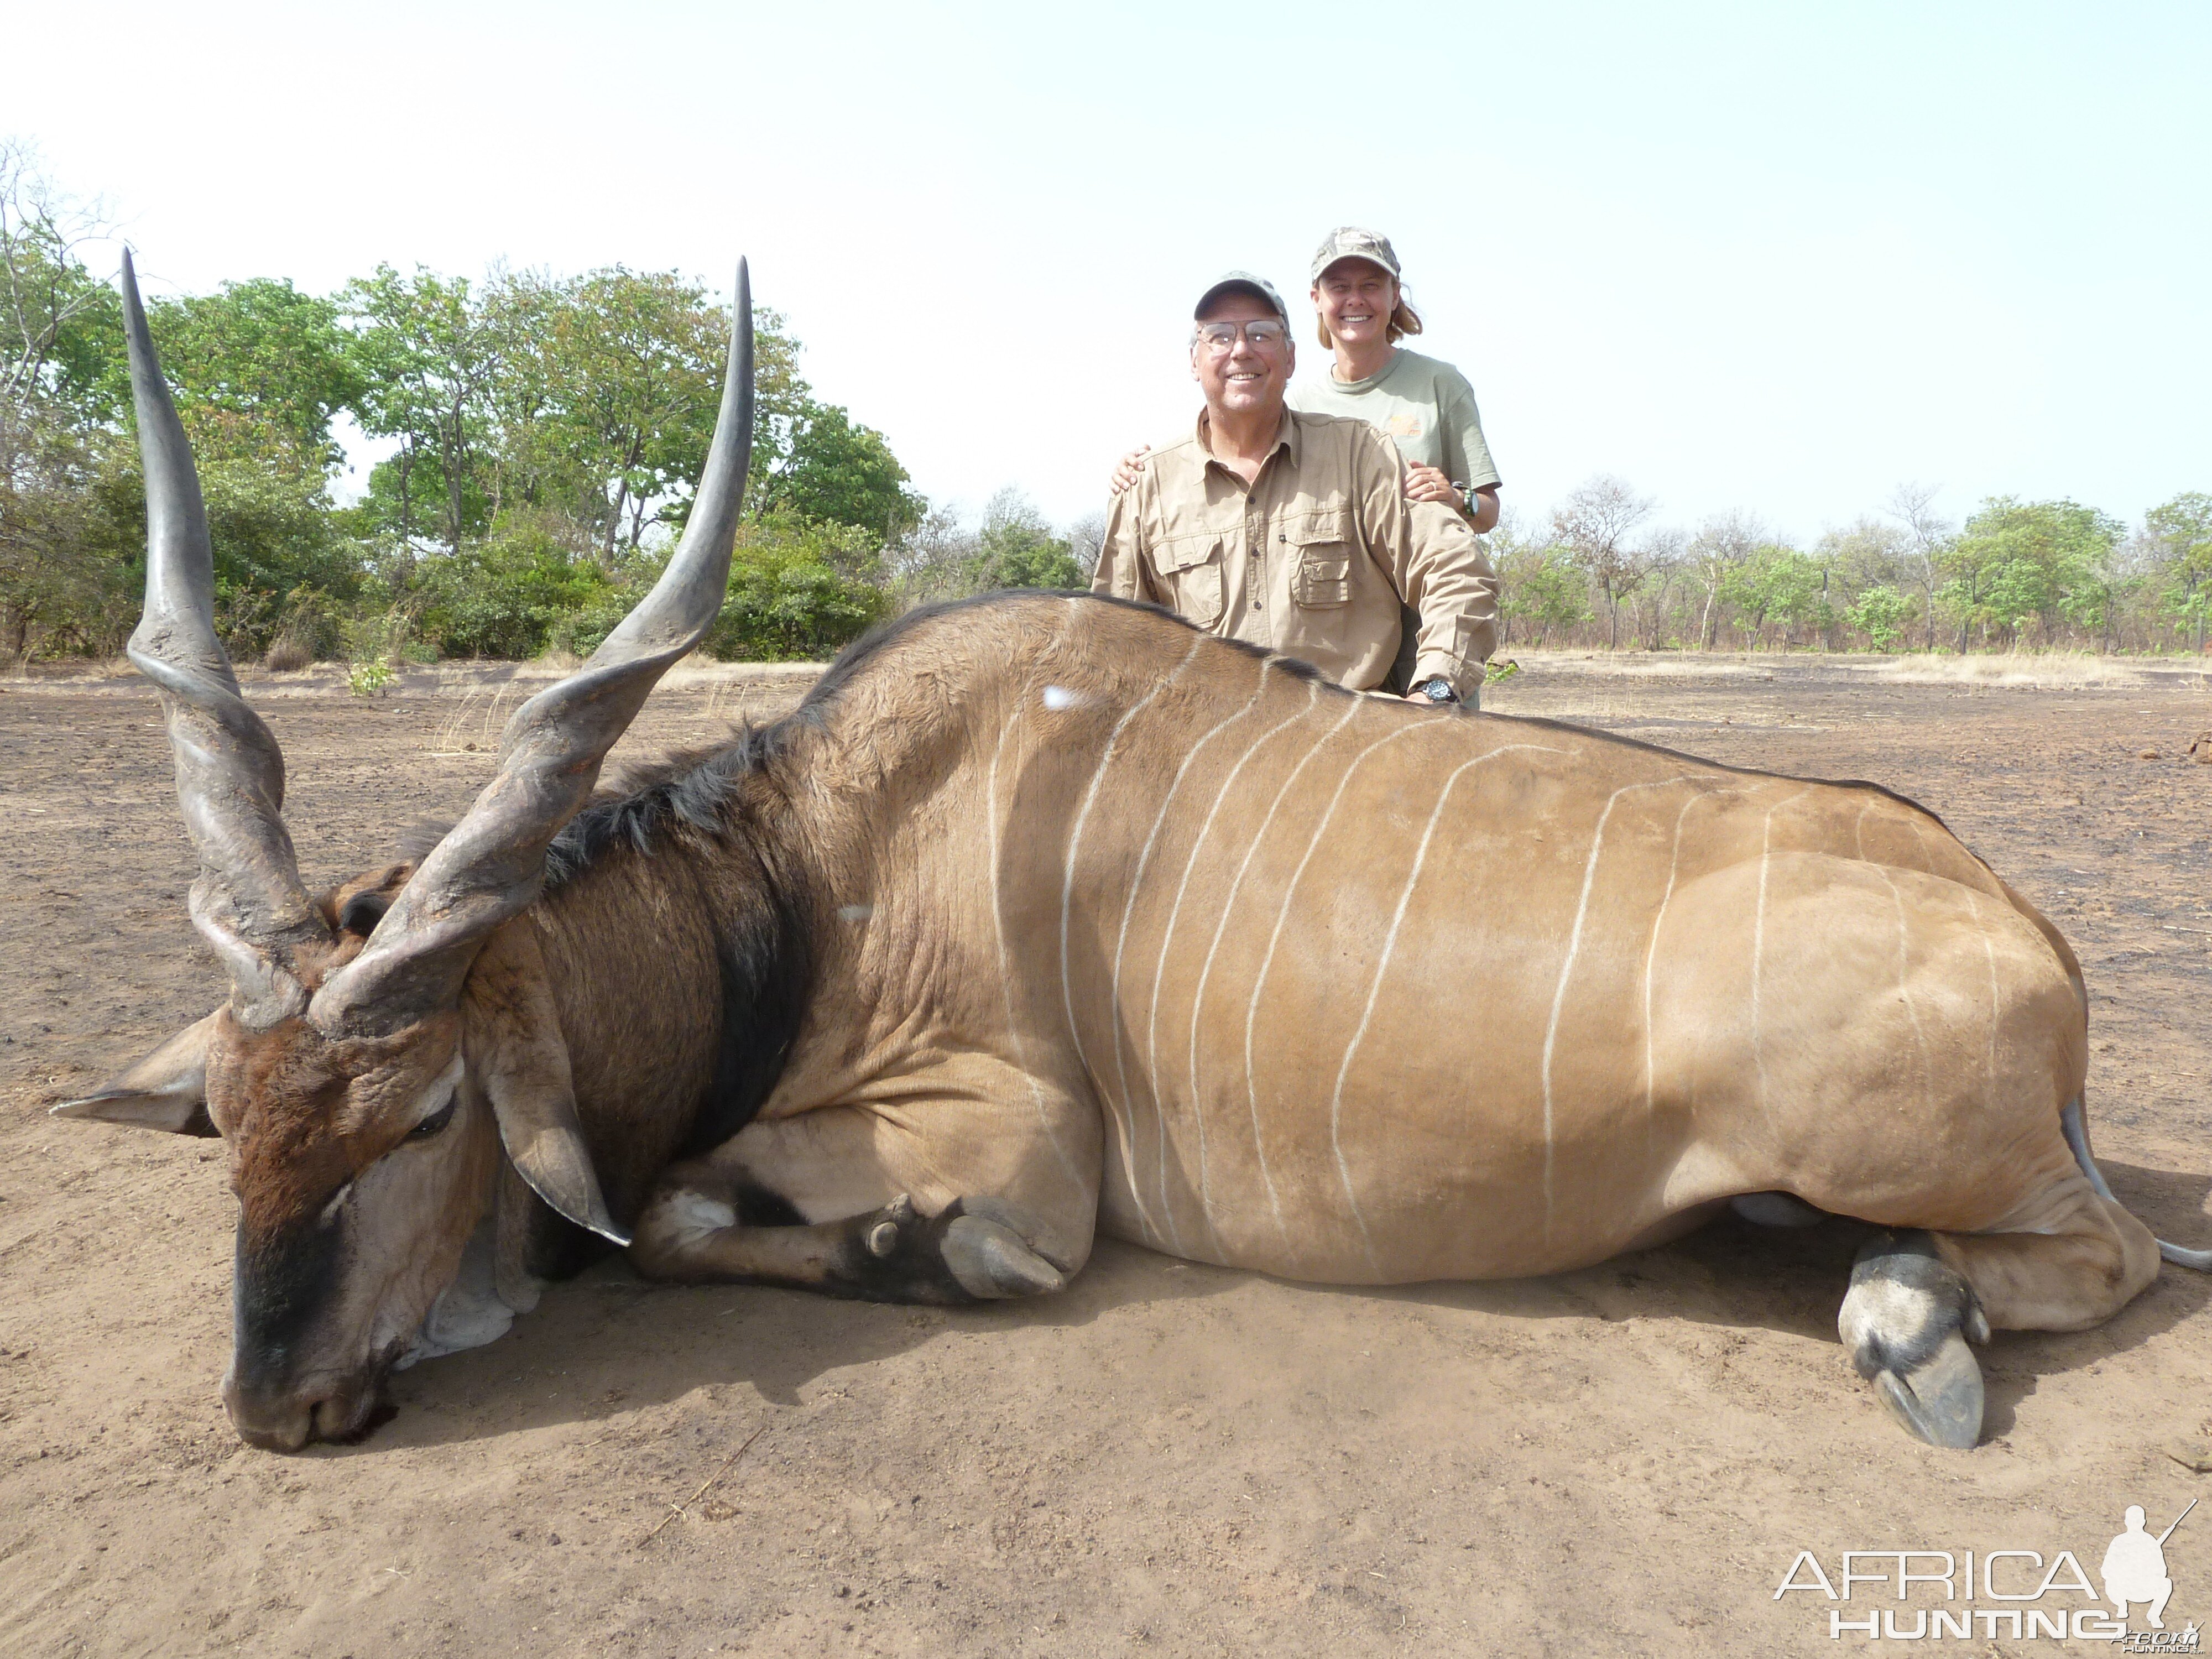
column 483, row 696
column 699, row 669
column 1648, row 665
column 2054, row 671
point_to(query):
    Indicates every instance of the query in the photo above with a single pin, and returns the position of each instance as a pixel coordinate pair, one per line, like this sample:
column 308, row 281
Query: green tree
column 841, row 472
column 2017, row 562
column 429, row 353
column 508, row 596
column 55, row 316
column 1775, row 583
column 1881, row 614
column 60, row 579
column 1595, row 523
column 1018, row 549
column 634, row 381
column 259, row 370
column 2181, row 530
column 1541, row 588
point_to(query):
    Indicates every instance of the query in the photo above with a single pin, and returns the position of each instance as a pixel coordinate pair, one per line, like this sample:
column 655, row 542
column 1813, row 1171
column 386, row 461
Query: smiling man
column 1293, row 531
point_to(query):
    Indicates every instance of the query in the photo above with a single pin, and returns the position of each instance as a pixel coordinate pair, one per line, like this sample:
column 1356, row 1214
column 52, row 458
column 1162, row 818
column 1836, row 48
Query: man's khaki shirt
column 1311, row 559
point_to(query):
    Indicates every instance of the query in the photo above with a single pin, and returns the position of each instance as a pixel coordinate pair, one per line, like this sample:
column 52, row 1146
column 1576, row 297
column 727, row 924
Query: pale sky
column 1762, row 257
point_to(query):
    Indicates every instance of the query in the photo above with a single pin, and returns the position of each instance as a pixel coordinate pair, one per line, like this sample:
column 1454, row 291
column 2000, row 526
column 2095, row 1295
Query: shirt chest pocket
column 1189, row 571
column 1321, row 552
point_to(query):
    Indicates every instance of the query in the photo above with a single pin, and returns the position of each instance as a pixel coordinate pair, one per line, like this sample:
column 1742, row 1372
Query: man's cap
column 1243, row 282
column 1349, row 242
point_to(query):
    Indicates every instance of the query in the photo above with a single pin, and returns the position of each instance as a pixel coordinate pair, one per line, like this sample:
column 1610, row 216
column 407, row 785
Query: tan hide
column 1364, row 992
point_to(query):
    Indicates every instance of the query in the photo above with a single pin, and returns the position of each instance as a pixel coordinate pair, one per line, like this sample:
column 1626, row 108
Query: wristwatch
column 1437, row 689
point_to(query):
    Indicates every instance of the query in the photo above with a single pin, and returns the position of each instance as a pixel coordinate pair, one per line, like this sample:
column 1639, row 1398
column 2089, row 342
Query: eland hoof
column 995, row 1249
column 1907, row 1320
column 1940, row 1403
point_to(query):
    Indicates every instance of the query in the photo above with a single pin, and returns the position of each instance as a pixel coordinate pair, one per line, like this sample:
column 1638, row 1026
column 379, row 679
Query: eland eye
column 436, row 1122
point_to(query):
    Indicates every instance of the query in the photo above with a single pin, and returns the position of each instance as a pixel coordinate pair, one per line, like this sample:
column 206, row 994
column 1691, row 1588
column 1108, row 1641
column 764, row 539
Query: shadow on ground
column 608, row 1342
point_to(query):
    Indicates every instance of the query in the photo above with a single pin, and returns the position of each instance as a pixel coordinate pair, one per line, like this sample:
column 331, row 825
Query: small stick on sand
column 675, row 1509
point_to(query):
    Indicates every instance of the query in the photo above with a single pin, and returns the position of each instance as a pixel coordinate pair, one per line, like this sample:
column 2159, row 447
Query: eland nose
column 266, row 1418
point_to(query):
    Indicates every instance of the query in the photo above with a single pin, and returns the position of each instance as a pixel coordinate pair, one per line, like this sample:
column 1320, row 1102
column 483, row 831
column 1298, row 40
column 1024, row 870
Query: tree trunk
column 614, row 524
column 453, row 440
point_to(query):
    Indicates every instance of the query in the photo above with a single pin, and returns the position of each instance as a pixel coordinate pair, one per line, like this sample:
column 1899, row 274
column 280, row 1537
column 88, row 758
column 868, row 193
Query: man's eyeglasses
column 1262, row 336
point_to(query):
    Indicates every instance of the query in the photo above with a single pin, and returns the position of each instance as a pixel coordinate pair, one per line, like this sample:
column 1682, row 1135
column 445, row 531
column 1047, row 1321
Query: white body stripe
column 1567, row 967
column 1228, row 900
column 1382, row 966
column 1167, row 938
column 1758, row 956
column 1121, row 944
column 998, row 906
column 1075, row 841
column 1282, row 915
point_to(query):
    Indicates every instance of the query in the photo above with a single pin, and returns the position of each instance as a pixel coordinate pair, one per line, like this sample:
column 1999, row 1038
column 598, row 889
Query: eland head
column 377, row 1054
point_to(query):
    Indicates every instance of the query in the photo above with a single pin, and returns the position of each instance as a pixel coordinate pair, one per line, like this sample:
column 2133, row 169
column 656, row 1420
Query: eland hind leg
column 2069, row 1260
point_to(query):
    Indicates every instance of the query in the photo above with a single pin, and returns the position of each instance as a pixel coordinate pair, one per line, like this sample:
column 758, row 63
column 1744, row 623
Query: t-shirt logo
column 1403, row 426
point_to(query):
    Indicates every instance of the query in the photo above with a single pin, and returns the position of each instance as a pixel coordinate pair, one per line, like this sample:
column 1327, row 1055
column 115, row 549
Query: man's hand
column 1131, row 466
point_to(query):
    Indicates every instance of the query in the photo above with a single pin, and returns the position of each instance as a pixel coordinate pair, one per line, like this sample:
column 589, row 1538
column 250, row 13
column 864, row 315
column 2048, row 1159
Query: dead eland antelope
column 1044, row 914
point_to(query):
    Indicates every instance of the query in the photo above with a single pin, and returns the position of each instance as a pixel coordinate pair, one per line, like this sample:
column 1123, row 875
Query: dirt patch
column 1166, row 1459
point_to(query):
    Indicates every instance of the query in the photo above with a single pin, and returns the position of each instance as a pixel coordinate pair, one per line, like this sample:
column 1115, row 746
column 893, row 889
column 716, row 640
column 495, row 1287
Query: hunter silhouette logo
column 2135, row 1566
column 2015, row 1593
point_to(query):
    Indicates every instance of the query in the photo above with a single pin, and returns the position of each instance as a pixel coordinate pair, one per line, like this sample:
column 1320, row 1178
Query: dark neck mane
column 717, row 810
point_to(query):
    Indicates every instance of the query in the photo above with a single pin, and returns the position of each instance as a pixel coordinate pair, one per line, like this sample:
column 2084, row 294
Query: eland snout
column 281, row 1415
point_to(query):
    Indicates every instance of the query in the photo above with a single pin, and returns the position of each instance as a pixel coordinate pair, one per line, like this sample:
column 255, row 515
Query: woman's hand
column 1426, row 484
column 1131, row 466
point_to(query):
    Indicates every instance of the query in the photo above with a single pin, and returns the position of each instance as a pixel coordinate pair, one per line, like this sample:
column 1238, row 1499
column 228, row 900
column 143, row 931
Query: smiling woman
column 1425, row 406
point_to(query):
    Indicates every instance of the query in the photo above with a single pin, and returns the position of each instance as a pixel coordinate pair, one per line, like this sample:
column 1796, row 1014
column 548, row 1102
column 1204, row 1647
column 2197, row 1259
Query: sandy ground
column 1168, row 1458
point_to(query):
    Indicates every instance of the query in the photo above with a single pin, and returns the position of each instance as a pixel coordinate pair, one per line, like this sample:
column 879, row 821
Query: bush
column 508, row 597
column 799, row 591
column 1881, row 615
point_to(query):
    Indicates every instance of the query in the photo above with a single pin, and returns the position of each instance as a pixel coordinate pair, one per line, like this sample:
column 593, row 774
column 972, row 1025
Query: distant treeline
column 545, row 434
column 2017, row 575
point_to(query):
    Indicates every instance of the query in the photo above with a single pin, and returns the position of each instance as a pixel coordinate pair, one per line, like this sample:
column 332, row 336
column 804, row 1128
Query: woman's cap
column 1349, row 242
column 1243, row 282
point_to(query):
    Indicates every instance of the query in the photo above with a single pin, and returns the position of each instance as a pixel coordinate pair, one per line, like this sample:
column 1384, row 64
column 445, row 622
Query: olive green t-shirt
column 1427, row 406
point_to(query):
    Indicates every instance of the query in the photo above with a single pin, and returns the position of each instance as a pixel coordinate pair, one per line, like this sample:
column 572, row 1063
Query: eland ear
column 519, row 1061
column 167, row 1090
